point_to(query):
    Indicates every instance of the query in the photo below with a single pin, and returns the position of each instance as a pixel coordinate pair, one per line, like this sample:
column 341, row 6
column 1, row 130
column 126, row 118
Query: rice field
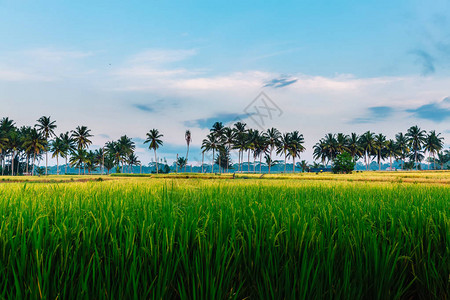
column 213, row 237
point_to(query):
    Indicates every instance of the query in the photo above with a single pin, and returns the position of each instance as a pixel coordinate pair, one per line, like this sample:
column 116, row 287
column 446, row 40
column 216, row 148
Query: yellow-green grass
column 198, row 238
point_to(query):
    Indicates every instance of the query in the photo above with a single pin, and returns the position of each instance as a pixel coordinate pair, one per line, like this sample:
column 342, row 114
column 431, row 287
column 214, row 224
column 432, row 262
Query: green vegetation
column 141, row 238
column 343, row 164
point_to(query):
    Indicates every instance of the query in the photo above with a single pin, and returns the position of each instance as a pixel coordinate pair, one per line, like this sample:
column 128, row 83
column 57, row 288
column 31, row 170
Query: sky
column 125, row 67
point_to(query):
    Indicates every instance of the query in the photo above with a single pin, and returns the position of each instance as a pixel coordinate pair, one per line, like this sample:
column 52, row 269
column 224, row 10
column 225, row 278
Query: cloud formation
column 375, row 114
column 436, row 111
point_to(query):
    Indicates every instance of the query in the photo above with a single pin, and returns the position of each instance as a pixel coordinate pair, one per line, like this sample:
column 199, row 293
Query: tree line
column 413, row 145
column 21, row 147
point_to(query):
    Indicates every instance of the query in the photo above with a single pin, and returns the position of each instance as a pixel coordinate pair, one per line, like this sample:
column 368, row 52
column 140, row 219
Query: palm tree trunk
column 284, row 161
column 390, row 162
column 434, row 162
column 293, row 166
column 12, row 162
column 270, row 158
column 248, row 161
column 415, row 160
column 379, row 160
column 156, row 159
column 57, row 165
column 46, row 162
column 260, row 162
column 28, row 160
column 34, row 159
column 187, row 153
column 254, row 164
column 212, row 163
column 65, row 167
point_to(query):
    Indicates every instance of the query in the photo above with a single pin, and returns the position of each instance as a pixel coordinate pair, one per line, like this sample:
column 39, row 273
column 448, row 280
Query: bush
column 343, row 164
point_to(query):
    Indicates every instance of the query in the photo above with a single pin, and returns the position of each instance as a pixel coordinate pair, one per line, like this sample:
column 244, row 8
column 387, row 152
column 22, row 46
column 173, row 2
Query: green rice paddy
column 200, row 238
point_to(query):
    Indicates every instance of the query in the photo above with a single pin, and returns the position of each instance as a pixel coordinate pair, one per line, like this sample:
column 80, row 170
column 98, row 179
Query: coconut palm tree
column 273, row 137
column 81, row 137
column 260, row 148
column 14, row 143
column 68, row 147
column 367, row 142
column 319, row 151
column 35, row 144
column 133, row 161
column 416, row 138
column 228, row 140
column 6, row 127
column 125, row 147
column 443, row 158
column 78, row 159
column 283, row 146
column 58, row 148
column 433, row 144
column 380, row 143
column 154, row 140
column 304, row 166
column 353, row 146
column 211, row 143
column 239, row 141
column 330, row 146
column 402, row 145
column 46, row 127
column 295, row 147
column 188, row 138
column 391, row 150
column 341, row 143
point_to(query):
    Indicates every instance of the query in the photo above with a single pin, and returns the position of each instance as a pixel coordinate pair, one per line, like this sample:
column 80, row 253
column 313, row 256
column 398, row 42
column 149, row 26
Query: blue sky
column 124, row 67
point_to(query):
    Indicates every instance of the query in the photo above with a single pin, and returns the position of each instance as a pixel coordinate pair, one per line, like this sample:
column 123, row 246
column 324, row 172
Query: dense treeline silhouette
column 22, row 147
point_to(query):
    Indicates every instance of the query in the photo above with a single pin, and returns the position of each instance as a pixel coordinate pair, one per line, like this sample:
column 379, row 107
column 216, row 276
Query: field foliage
column 172, row 238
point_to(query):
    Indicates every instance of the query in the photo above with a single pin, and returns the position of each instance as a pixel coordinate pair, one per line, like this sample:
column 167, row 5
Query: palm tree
column 416, row 138
column 133, row 161
column 181, row 162
column 391, row 150
column 283, row 146
column 228, row 140
column 250, row 144
column 443, row 158
column 25, row 132
column 211, row 143
column 380, row 142
column 401, row 143
column 367, row 142
column 260, row 148
column 188, row 138
column 81, row 137
column 330, row 146
column 6, row 127
column 154, row 140
column 319, row 151
column 35, row 144
column 69, row 146
column 14, row 144
column 295, row 147
column 46, row 127
column 353, row 146
column 58, row 149
column 433, row 144
column 239, row 140
column 273, row 137
column 125, row 147
column 341, row 143
column 304, row 165
column 78, row 159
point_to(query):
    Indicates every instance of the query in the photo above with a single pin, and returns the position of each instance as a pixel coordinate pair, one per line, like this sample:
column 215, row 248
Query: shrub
column 343, row 163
